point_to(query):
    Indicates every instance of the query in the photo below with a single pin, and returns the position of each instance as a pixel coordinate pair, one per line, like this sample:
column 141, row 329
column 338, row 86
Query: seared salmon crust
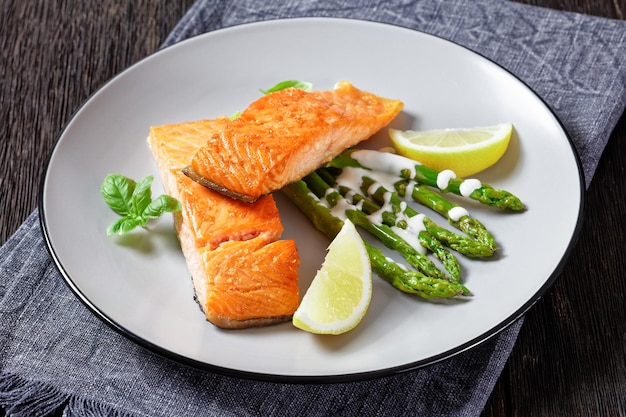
column 286, row 135
column 243, row 275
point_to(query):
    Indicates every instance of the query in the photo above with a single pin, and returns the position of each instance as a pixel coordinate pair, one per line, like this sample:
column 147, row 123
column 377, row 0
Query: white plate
column 139, row 284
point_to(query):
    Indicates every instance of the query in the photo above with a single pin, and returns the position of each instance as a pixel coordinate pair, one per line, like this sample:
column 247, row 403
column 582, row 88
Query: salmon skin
column 286, row 135
column 243, row 274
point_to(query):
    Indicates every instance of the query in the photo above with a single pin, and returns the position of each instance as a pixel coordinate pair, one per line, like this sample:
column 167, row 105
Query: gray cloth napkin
column 55, row 354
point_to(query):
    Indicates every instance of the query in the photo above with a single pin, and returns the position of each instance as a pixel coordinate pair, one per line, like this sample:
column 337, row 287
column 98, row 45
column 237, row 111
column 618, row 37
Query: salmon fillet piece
column 243, row 275
column 286, row 135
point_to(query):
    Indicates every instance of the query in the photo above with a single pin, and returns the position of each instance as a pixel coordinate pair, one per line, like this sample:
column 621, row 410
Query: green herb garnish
column 133, row 201
column 302, row 85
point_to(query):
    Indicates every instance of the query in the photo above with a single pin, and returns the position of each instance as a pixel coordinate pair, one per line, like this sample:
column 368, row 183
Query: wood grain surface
column 570, row 358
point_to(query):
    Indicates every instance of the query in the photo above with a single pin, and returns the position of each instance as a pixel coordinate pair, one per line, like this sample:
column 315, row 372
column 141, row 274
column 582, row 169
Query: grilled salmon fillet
column 286, row 135
column 243, row 274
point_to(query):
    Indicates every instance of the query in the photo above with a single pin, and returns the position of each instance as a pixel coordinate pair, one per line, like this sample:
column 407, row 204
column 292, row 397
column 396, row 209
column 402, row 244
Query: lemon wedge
column 341, row 291
column 464, row 151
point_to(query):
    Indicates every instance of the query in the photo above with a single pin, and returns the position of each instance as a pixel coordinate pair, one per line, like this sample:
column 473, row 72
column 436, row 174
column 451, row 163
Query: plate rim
column 286, row 378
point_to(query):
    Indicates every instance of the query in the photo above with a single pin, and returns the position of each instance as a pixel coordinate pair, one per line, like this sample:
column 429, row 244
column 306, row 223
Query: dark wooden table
column 570, row 359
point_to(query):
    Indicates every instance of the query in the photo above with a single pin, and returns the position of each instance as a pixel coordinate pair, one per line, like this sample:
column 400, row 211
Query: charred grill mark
column 189, row 172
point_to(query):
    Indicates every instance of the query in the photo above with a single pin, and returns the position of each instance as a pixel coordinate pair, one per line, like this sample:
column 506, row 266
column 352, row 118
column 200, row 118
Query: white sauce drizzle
column 410, row 238
column 444, row 177
column 351, row 177
column 468, row 186
column 410, row 188
column 416, row 223
column 372, row 188
column 387, row 167
column 376, row 217
column 455, row 213
column 383, row 161
column 339, row 210
column 349, row 195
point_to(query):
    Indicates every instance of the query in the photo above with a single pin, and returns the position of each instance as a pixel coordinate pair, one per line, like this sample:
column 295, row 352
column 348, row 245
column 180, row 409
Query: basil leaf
column 133, row 201
column 122, row 225
column 141, row 197
column 117, row 190
column 302, row 85
column 162, row 204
